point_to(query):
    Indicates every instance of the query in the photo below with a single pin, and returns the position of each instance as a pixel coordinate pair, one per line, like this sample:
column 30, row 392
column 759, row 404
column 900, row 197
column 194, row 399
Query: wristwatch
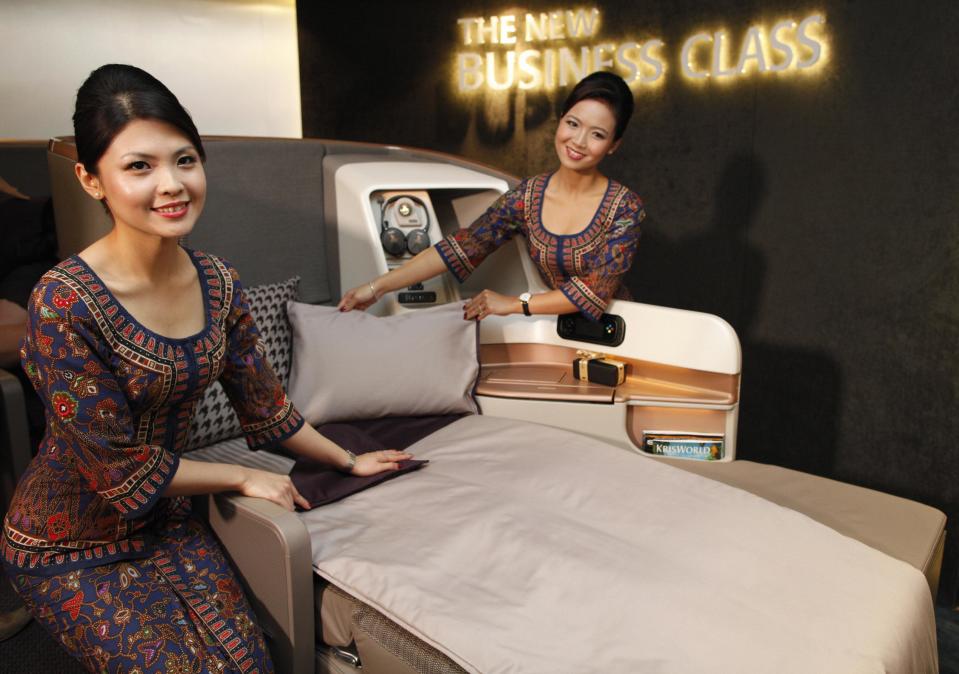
column 524, row 300
column 348, row 468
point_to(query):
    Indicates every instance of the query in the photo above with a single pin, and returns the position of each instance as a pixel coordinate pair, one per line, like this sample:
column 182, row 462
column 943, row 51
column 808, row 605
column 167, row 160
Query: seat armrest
column 14, row 434
column 270, row 548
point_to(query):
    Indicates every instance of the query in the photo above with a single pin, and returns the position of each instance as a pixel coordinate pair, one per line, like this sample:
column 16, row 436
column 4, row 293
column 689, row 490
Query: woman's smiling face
column 152, row 179
column 585, row 135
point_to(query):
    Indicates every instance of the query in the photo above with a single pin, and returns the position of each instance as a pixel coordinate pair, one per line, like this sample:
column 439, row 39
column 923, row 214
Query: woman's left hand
column 372, row 463
column 361, row 297
column 489, row 303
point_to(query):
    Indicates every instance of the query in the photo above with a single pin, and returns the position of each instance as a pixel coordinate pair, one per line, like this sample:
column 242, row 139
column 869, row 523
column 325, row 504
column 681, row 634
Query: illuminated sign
column 546, row 50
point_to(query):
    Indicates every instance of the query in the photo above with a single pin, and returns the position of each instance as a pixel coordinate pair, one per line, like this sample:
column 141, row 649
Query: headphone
column 394, row 240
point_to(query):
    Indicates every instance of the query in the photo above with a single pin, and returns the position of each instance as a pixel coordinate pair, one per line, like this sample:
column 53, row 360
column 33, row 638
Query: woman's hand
column 489, row 303
column 361, row 297
column 272, row 487
column 372, row 463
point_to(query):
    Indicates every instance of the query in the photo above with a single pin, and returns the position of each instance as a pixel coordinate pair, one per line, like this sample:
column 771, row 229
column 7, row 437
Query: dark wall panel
column 818, row 215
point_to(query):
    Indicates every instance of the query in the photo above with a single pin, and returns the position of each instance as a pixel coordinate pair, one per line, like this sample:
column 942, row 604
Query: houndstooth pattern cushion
column 214, row 418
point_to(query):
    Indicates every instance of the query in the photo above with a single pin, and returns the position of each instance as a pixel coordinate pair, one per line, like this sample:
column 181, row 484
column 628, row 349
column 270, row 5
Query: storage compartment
column 692, row 411
column 691, row 433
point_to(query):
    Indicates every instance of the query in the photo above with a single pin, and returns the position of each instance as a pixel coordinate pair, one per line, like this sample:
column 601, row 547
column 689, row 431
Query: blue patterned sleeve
column 88, row 414
column 266, row 413
column 466, row 248
column 592, row 291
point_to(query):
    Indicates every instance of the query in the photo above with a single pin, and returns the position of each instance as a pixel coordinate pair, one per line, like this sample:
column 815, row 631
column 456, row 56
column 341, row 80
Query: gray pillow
column 353, row 365
column 214, row 418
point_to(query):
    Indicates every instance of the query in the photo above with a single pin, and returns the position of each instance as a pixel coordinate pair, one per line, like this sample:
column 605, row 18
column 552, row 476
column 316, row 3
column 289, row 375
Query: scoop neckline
column 592, row 220
column 201, row 277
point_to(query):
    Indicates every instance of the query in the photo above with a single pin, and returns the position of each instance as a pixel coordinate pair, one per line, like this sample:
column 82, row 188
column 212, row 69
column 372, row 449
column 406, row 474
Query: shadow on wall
column 499, row 116
column 719, row 271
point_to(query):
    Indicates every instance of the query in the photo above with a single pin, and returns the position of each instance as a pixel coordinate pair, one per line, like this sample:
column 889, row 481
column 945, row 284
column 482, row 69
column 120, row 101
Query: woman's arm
column 199, row 477
column 311, row 444
column 498, row 224
column 428, row 264
column 488, row 302
column 425, row 265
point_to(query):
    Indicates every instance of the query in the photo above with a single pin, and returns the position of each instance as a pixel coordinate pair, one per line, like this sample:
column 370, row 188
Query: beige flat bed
column 301, row 611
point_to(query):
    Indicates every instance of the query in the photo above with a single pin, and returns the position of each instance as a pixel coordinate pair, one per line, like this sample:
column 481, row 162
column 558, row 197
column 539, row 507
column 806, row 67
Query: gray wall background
column 819, row 217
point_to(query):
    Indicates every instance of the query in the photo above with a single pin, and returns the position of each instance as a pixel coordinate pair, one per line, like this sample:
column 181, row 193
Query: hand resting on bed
column 379, row 461
column 366, row 438
column 198, row 477
column 310, row 444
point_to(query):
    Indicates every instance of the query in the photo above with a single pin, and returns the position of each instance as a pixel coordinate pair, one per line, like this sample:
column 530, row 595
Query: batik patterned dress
column 122, row 576
column 588, row 266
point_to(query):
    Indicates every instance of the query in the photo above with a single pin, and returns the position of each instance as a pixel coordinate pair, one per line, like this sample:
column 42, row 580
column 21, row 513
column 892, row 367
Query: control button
column 423, row 297
column 416, row 286
column 405, row 209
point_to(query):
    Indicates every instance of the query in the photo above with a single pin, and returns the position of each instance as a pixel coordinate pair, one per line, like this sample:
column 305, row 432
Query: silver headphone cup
column 394, row 241
column 417, row 241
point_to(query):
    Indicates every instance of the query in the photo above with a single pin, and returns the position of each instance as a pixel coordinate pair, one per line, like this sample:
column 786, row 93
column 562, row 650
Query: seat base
column 904, row 529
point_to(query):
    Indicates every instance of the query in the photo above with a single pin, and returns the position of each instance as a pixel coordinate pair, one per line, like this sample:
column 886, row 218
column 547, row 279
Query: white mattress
column 523, row 548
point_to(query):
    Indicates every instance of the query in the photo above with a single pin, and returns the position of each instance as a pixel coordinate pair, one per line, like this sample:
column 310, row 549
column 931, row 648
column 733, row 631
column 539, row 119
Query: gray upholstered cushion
column 354, row 365
column 264, row 211
column 214, row 418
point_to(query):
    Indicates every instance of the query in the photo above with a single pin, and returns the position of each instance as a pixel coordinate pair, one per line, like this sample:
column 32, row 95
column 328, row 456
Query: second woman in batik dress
column 581, row 228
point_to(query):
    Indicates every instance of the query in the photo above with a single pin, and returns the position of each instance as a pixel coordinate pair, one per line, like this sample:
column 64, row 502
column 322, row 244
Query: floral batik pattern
column 179, row 611
column 587, row 267
column 119, row 400
column 102, row 559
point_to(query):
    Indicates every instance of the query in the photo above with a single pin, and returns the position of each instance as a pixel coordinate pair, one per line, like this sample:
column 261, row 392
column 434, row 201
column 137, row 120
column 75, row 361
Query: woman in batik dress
column 581, row 228
column 122, row 341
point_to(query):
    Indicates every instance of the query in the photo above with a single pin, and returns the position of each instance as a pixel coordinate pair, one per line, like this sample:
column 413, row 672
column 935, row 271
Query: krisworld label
column 702, row 448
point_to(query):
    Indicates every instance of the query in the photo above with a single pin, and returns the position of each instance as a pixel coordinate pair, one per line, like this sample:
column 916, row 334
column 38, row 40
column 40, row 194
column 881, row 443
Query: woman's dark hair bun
column 609, row 88
column 113, row 96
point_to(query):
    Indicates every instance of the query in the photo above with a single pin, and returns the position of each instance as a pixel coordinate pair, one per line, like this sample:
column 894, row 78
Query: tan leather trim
column 904, row 529
column 64, row 147
column 6, row 143
column 645, row 381
column 574, row 391
column 538, row 381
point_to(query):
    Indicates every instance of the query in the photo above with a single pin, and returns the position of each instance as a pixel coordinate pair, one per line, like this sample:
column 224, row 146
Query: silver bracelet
column 373, row 290
column 351, row 461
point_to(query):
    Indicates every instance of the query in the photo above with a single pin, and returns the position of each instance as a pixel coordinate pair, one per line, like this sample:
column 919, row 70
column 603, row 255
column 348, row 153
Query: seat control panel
column 417, row 297
column 609, row 330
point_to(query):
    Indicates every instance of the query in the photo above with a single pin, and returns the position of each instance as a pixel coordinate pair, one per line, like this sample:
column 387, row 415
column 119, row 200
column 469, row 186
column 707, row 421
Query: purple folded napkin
column 319, row 484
